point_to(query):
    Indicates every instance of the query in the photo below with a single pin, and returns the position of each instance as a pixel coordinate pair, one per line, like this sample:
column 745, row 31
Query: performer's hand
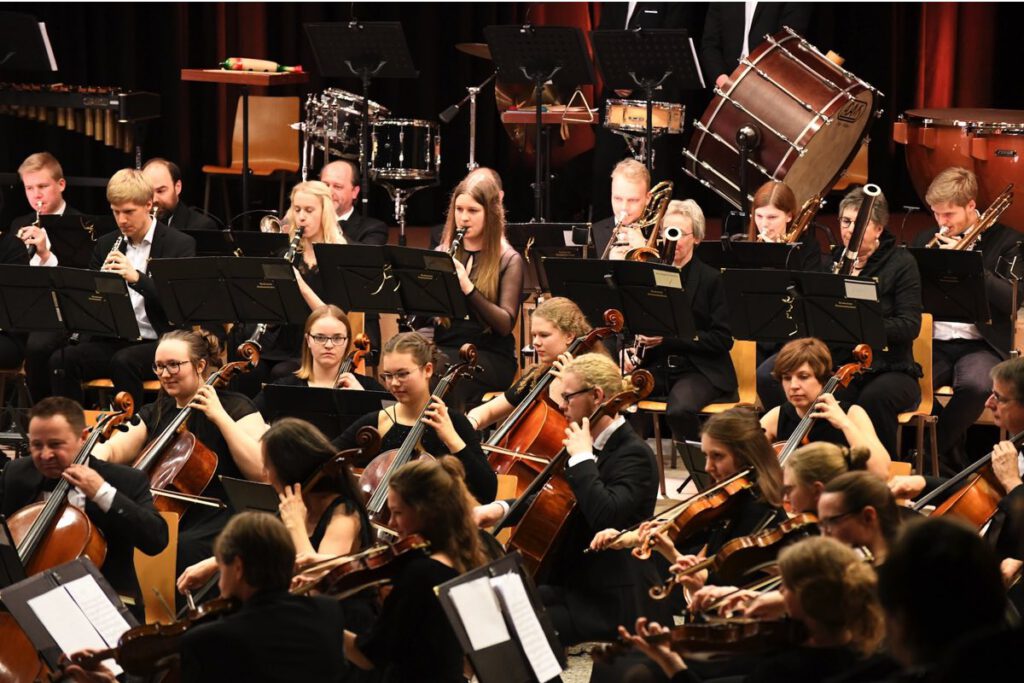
column 196, row 575
column 578, row 439
column 35, row 236
column 292, row 508
column 707, row 595
column 626, row 359
column 649, row 342
column 349, row 381
column 827, row 408
column 605, row 539
column 1004, row 464
column 1010, row 568
column 559, row 363
column 694, row 581
column 118, row 263
column 465, row 284
column 436, row 415
column 653, row 534
column 662, row 655
column 91, row 673
column 488, row 515
column 723, row 82
column 769, row 605
column 84, row 478
column 207, row 402
column 946, row 241
column 906, row 487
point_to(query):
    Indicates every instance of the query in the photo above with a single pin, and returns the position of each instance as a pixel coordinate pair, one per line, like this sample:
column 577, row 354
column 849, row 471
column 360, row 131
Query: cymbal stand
column 451, row 112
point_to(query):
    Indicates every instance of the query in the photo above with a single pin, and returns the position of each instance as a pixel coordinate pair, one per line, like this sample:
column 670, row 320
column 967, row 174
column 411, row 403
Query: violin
column 360, row 347
column 176, row 461
column 740, row 556
column 376, row 476
column 537, row 426
column 371, row 568
column 844, row 375
column 549, row 497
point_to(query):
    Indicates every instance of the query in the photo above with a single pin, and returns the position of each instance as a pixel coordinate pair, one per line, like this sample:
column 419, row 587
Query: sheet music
column 67, row 624
column 480, row 613
column 528, row 629
column 98, row 609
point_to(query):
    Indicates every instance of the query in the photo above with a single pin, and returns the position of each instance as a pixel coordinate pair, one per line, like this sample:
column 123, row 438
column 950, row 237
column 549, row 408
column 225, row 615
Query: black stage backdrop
column 143, row 46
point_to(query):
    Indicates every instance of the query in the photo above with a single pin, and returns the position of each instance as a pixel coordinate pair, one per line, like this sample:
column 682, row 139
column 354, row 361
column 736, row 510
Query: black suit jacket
column 186, row 218
column 600, row 233
column 12, row 249
column 132, row 521
column 359, row 230
column 998, row 243
column 722, row 41
column 273, row 637
column 167, row 243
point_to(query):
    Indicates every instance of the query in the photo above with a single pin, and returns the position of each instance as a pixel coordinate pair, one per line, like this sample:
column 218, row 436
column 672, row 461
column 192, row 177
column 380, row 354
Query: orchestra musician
column 693, row 373
column 772, row 212
column 227, row 423
column 342, row 177
column 437, row 231
column 631, row 184
column 412, row 639
column 490, row 273
column 803, row 367
column 858, row 509
column 964, row 353
column 128, row 364
column 165, row 177
column 44, row 182
column 114, row 497
column 407, row 365
column 614, row 478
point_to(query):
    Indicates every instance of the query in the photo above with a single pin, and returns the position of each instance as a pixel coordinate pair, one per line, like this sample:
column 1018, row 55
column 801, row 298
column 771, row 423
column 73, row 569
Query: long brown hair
column 305, row 370
column 487, row 269
column 772, row 193
column 739, row 430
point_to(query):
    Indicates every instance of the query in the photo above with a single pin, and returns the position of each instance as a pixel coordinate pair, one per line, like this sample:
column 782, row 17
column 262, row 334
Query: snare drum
column 405, row 149
column 630, row 117
column 811, row 114
column 989, row 142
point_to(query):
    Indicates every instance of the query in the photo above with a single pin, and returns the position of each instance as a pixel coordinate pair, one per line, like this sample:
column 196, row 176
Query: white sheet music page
column 527, row 627
column 68, row 625
column 480, row 613
column 98, row 609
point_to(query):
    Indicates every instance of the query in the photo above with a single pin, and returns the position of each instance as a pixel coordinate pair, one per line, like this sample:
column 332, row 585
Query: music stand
column 953, row 285
column 366, row 50
column 222, row 289
column 329, row 410
column 11, row 568
column 26, row 44
column 238, row 243
column 726, row 253
column 645, row 59
column 537, row 241
column 245, row 495
column 536, row 55
column 72, row 238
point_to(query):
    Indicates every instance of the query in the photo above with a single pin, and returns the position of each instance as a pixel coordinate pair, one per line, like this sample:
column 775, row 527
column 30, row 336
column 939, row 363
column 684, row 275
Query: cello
column 842, row 378
column 360, row 347
column 175, row 460
column 539, row 532
column 536, row 427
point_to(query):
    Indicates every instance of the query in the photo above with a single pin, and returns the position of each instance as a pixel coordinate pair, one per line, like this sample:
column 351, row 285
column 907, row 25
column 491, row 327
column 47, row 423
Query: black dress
column 480, row 479
column 821, row 430
column 201, row 524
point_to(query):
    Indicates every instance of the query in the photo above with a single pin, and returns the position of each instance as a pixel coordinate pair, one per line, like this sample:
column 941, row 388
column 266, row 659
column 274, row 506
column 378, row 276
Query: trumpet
column 457, row 241
column 115, row 248
column 984, row 222
column 273, row 224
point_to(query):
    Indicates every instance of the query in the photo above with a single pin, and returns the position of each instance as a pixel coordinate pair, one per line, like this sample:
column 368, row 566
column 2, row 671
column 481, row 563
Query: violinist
column 227, row 423
column 964, row 353
column 555, row 324
column 693, row 373
column 407, row 365
column 614, row 478
column 412, row 639
column 802, row 367
column 115, row 498
column 826, row 587
column 858, row 509
column 772, row 212
column 490, row 274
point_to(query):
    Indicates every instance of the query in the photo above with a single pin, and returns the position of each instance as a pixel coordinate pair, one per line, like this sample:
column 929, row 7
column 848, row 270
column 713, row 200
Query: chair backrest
column 273, row 143
column 744, row 360
column 157, row 575
column 923, row 357
column 507, row 484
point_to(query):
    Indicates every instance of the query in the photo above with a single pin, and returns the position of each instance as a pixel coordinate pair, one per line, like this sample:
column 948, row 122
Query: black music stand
column 245, row 495
column 72, row 238
column 726, row 253
column 222, row 289
column 536, row 55
column 366, row 50
column 238, row 243
column 329, row 410
column 953, row 285
column 11, row 568
column 780, row 305
column 390, row 279
column 645, row 59
column 538, row 241
column 26, row 44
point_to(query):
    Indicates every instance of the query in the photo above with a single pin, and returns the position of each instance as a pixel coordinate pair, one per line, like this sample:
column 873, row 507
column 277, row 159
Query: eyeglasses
column 173, row 367
column 1001, row 399
column 399, row 376
column 322, row 339
column 568, row 397
column 826, row 523
column 846, row 222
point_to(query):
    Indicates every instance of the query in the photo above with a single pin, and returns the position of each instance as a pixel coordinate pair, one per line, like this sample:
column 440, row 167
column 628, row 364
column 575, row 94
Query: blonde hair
column 823, row 461
column 328, row 219
column 739, row 430
column 690, row 209
column 633, row 171
column 421, row 349
column 41, row 161
column 129, row 186
column 565, row 315
column 305, row 370
column 835, row 588
column 481, row 188
column 955, row 185
column 597, row 370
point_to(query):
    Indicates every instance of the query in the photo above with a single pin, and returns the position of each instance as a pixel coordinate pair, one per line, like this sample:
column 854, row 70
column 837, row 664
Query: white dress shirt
column 748, row 21
column 599, row 441
column 138, row 256
column 52, row 260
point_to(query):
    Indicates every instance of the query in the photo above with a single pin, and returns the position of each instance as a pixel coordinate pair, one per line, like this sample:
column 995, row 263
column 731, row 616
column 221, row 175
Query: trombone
column 984, row 222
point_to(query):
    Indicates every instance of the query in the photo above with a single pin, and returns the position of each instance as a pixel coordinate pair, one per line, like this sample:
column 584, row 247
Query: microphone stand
column 451, row 112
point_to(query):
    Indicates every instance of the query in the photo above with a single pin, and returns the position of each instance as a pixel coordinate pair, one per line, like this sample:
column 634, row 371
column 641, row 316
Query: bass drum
column 989, row 142
column 405, row 150
column 812, row 116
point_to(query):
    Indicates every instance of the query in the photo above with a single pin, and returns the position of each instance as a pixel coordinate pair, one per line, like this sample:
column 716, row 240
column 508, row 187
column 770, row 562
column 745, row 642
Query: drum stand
column 451, row 112
column 748, row 138
column 647, row 142
column 400, row 196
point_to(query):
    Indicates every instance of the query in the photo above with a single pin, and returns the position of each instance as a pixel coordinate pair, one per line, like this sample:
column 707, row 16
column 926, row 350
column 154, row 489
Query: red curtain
column 955, row 56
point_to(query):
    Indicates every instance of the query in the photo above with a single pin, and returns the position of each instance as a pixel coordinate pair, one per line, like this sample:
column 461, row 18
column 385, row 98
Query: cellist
column 227, row 423
column 114, row 497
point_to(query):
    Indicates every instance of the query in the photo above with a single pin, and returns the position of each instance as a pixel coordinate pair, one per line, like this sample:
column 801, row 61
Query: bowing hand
column 72, row 669
column 84, row 478
column 578, row 439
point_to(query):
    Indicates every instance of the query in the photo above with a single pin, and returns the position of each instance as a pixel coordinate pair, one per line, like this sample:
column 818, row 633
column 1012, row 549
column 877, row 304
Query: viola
column 537, row 426
column 360, row 347
column 377, row 475
column 549, row 500
column 373, row 567
column 740, row 556
column 844, row 375
column 176, row 461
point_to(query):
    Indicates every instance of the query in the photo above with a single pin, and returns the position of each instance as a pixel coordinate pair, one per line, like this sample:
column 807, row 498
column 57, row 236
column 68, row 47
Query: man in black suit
column 733, row 29
column 44, row 182
column 963, row 354
column 614, row 478
column 115, row 498
column 127, row 363
column 342, row 177
column 165, row 177
column 631, row 184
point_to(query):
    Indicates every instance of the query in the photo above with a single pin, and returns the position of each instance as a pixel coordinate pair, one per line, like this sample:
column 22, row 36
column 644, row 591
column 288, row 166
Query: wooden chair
column 921, row 416
column 273, row 146
column 507, row 484
column 157, row 575
column 104, row 387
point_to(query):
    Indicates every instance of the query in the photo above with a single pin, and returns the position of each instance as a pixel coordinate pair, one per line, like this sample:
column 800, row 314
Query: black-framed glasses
column 826, row 523
column 568, row 397
column 1001, row 400
column 322, row 339
column 400, row 376
column 846, row 222
column 173, row 367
